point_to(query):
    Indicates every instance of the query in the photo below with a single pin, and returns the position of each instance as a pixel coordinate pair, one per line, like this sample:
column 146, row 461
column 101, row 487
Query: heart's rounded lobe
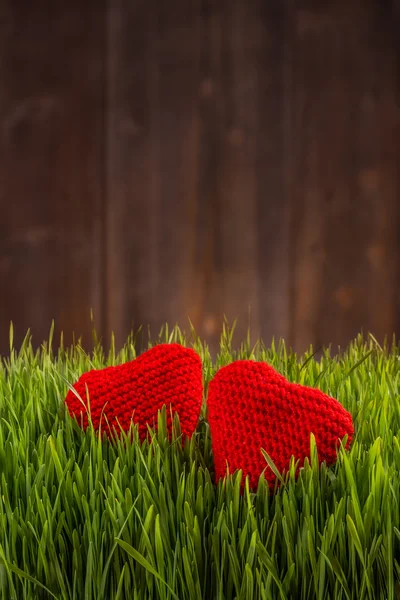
column 167, row 374
column 251, row 406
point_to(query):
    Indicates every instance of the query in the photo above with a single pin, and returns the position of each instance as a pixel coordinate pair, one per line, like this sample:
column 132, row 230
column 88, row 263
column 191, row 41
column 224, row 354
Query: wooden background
column 193, row 158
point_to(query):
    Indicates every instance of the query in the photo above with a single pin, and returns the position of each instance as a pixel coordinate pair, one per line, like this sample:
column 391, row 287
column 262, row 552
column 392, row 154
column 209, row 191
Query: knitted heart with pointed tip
column 251, row 406
column 166, row 374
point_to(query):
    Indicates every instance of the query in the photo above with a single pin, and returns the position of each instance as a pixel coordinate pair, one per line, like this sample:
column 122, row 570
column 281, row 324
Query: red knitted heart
column 166, row 374
column 251, row 406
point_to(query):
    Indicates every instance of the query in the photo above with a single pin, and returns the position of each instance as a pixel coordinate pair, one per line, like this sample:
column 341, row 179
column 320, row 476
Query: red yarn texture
column 251, row 406
column 166, row 374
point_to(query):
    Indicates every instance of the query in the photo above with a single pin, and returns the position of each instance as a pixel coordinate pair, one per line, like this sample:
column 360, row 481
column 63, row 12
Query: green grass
column 83, row 517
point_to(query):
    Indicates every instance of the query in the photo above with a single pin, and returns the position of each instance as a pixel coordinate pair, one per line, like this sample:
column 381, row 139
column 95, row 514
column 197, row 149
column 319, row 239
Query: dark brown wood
column 51, row 178
column 344, row 182
column 248, row 202
column 273, row 162
column 205, row 159
column 152, row 162
column 161, row 161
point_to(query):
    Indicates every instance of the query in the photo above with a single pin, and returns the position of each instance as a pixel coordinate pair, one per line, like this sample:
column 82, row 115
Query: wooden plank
column 273, row 169
column 243, row 193
column 344, row 176
column 51, row 145
column 152, row 129
column 197, row 226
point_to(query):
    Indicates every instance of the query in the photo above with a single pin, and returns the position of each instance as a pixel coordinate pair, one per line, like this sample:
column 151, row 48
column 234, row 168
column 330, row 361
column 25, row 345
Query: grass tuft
column 83, row 516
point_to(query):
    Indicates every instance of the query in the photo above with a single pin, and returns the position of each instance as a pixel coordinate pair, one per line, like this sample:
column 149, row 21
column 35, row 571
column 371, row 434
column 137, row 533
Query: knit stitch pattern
column 251, row 406
column 166, row 374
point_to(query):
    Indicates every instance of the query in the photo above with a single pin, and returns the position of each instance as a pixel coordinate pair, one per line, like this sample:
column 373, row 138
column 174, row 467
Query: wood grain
column 161, row 161
column 345, row 197
column 51, row 145
column 151, row 163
